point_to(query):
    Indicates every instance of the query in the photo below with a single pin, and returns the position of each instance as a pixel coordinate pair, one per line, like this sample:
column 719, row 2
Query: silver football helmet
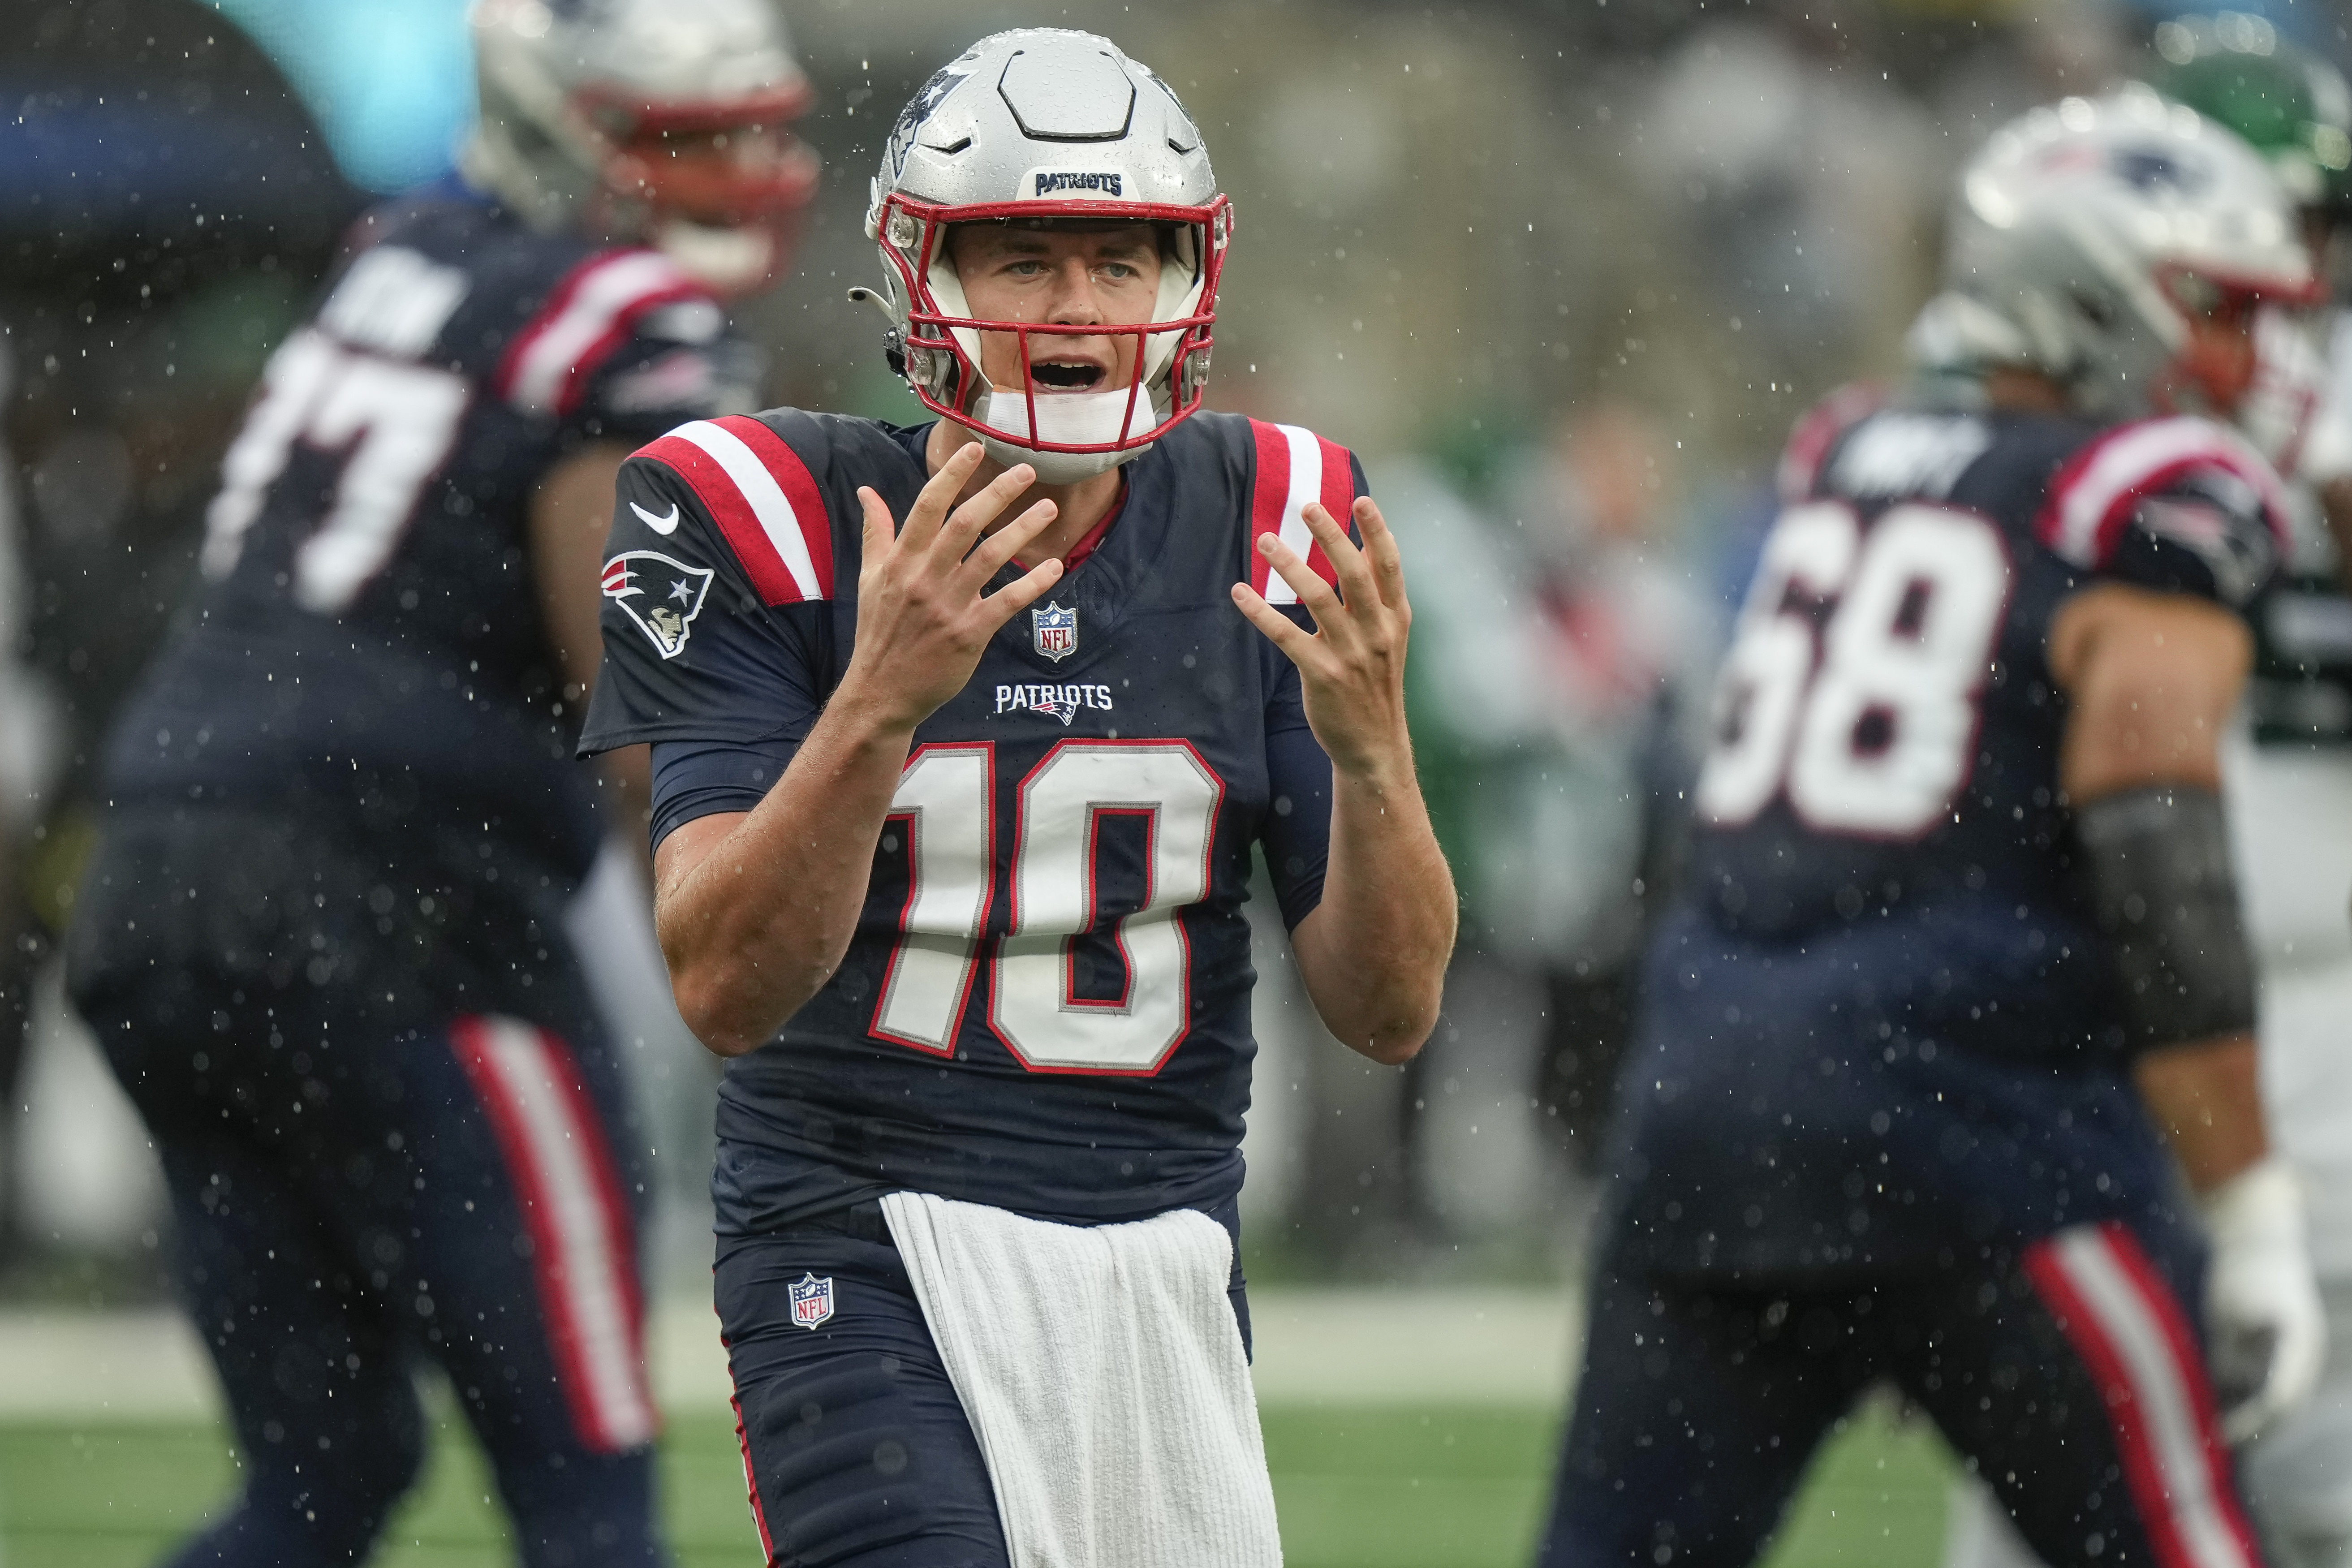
column 1043, row 124
column 659, row 121
column 2089, row 239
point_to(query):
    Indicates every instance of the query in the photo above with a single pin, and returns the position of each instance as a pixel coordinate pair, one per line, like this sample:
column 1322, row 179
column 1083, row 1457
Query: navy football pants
column 2071, row 1376
column 355, row 1188
column 856, row 1446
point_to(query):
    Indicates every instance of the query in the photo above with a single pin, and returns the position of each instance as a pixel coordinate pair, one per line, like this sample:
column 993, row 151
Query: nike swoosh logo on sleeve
column 667, row 524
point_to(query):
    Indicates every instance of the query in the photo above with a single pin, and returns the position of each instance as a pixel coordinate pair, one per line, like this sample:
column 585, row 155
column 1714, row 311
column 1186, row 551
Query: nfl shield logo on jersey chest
column 812, row 1300
column 1053, row 631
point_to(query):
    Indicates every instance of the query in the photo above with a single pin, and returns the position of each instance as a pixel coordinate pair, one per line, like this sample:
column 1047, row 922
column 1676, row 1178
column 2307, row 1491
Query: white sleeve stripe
column 762, row 494
column 2127, row 460
column 1306, row 486
column 2160, row 1391
column 603, row 293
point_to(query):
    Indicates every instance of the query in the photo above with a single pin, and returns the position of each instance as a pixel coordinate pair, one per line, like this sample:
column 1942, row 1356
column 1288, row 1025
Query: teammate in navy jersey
column 2288, row 768
column 962, row 737
column 322, row 942
column 1957, row 997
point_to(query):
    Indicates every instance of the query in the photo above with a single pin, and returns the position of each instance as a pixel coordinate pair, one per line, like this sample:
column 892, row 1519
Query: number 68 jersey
column 1888, row 730
column 1045, row 1005
column 1880, row 1024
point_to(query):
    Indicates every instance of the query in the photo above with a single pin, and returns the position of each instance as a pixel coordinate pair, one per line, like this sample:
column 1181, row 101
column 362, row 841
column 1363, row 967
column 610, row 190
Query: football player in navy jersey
column 322, row 942
column 1949, row 1049
column 2288, row 768
column 963, row 736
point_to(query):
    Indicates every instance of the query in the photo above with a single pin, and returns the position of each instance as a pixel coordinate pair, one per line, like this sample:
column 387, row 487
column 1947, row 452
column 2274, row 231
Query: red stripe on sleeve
column 733, row 514
column 1339, row 499
column 575, row 379
column 799, row 485
column 505, row 379
column 2097, row 492
column 1265, row 501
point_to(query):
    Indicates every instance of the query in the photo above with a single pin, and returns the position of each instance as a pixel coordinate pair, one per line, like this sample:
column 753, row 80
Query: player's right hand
column 922, row 621
column 2262, row 1310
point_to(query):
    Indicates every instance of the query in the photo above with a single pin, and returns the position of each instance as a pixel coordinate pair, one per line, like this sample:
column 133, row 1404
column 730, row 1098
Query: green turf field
column 1356, row 1489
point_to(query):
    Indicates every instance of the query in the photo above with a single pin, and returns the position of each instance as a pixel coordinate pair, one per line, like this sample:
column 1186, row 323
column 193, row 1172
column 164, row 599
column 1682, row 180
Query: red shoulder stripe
column 1295, row 466
column 763, row 499
column 2094, row 495
column 591, row 313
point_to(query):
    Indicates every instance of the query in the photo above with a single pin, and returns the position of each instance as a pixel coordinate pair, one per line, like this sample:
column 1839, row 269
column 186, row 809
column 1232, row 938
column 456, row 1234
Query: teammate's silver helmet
column 2087, row 237
column 580, row 97
column 1043, row 124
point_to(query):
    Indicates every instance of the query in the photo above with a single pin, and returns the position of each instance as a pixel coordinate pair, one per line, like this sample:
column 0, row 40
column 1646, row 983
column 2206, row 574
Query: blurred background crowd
column 1562, row 271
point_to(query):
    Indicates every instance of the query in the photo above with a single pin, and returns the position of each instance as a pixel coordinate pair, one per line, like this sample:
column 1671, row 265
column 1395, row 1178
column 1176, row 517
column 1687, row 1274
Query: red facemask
column 727, row 179
column 1110, row 420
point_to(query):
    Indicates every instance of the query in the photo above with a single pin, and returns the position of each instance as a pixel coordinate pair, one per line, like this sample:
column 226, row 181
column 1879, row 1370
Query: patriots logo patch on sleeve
column 662, row 595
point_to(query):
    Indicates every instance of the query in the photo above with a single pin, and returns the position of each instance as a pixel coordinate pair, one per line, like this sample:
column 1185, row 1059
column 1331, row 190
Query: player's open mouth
column 1065, row 375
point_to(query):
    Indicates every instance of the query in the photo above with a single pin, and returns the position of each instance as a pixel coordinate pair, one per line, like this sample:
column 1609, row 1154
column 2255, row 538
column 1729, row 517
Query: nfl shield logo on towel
column 1053, row 631
column 812, row 1300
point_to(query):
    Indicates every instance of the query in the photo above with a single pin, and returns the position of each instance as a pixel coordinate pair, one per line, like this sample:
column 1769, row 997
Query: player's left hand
column 1351, row 667
column 2262, row 1310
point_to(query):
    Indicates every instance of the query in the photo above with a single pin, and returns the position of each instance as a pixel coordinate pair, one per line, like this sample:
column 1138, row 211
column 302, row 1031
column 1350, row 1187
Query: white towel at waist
column 1103, row 1373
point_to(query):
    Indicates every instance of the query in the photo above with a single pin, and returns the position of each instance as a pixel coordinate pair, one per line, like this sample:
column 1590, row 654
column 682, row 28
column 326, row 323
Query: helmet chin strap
column 727, row 262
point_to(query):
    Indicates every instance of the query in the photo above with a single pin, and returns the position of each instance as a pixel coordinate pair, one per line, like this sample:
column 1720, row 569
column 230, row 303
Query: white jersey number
column 1871, row 732
column 394, row 423
column 946, row 806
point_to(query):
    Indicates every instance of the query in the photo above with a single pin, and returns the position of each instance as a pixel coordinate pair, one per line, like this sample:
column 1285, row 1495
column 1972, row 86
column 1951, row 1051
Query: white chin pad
column 724, row 260
column 1066, row 419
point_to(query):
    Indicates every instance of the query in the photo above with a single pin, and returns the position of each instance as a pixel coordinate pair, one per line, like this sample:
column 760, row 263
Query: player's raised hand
column 922, row 621
column 1351, row 667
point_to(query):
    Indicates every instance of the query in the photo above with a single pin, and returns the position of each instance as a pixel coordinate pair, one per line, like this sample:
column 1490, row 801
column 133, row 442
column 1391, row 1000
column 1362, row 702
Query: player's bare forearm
column 1373, row 952
column 626, row 776
column 569, row 511
column 2206, row 1097
column 2153, row 679
column 756, row 910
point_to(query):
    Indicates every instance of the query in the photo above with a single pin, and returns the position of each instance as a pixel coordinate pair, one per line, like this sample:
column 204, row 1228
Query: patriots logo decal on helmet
column 662, row 595
column 2150, row 170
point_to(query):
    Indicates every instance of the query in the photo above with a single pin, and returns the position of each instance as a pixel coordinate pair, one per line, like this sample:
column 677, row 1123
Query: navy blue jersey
column 1045, row 1006
column 370, row 635
column 1885, row 989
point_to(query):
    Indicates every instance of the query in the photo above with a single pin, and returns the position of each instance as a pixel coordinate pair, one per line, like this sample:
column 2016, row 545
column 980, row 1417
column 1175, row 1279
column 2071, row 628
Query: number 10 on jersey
column 946, row 807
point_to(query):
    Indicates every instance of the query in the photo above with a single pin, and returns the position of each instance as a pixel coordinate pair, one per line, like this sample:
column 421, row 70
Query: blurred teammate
column 1959, row 953
column 322, row 941
column 2289, row 773
column 956, row 877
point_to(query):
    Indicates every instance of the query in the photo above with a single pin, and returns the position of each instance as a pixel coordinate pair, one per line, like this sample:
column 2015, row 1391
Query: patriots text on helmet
column 987, row 143
column 1106, row 183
